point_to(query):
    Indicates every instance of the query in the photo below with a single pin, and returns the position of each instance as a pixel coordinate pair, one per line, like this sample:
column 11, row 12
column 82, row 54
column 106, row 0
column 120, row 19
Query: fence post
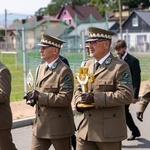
column 24, row 61
column 83, row 43
column 127, row 39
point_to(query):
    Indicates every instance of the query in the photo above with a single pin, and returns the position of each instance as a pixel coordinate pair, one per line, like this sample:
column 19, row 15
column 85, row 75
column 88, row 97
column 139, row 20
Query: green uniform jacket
column 112, row 89
column 145, row 99
column 5, row 90
column 54, row 116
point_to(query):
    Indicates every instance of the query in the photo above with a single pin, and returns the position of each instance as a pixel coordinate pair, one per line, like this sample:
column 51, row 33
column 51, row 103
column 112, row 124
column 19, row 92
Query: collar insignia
column 108, row 60
column 54, row 65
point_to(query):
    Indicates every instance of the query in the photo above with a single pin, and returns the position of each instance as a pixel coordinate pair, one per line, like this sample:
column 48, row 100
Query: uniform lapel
column 103, row 66
column 43, row 74
column 91, row 67
column 100, row 69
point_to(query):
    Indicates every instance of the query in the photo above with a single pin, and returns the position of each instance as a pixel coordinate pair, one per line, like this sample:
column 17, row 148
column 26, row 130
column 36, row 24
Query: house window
column 135, row 22
column 64, row 21
column 142, row 44
column 69, row 21
column 43, row 29
column 141, row 39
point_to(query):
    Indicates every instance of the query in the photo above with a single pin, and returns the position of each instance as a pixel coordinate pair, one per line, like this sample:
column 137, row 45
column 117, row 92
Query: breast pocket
column 51, row 88
column 106, row 85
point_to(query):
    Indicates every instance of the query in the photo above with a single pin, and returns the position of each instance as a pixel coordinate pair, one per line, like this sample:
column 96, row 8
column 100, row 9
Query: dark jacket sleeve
column 136, row 74
column 64, row 60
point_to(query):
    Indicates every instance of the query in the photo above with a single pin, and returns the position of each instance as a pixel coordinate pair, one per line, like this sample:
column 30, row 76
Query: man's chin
column 91, row 54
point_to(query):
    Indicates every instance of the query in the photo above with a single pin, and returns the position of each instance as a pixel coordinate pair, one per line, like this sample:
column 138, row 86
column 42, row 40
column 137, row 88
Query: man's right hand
column 31, row 98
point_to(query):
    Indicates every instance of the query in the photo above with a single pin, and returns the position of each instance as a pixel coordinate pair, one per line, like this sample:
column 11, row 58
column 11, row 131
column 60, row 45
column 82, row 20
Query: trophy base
column 85, row 105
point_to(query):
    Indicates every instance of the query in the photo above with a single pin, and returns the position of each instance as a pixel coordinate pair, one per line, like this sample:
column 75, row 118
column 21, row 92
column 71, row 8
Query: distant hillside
column 11, row 18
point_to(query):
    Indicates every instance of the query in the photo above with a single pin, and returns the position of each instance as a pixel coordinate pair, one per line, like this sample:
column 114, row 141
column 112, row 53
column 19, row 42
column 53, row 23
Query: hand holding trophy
column 30, row 83
column 30, row 80
column 83, row 78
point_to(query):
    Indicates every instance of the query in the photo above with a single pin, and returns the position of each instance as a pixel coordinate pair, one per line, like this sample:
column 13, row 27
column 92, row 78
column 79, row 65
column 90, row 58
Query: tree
column 56, row 5
column 16, row 20
column 136, row 3
column 101, row 5
column 130, row 3
column 41, row 12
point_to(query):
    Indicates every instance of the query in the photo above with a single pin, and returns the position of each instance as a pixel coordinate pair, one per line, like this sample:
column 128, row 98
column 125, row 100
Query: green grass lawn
column 75, row 59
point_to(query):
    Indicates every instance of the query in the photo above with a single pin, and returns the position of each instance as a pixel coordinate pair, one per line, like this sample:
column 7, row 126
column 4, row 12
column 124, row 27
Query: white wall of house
column 139, row 42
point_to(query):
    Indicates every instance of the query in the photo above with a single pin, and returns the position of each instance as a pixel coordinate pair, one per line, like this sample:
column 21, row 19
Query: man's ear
column 55, row 50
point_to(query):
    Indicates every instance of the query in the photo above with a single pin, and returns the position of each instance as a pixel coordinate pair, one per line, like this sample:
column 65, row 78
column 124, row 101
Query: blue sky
column 22, row 6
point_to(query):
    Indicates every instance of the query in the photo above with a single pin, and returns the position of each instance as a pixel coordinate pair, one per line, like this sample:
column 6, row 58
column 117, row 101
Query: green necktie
column 97, row 64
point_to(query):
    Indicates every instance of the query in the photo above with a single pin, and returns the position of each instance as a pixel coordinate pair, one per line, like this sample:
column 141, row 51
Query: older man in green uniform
column 54, row 123
column 103, row 126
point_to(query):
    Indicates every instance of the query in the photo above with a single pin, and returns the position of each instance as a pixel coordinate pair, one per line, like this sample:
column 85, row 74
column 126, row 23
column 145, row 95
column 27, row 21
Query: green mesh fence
column 72, row 49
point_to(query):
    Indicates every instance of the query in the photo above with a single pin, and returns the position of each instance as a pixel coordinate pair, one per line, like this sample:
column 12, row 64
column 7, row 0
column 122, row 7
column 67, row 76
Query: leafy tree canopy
column 102, row 5
column 56, row 5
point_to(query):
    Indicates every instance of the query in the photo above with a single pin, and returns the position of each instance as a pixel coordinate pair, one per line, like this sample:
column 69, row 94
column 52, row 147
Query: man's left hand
column 139, row 116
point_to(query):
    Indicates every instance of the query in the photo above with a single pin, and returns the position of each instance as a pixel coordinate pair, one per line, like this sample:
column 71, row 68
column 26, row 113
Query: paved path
column 143, row 142
column 22, row 136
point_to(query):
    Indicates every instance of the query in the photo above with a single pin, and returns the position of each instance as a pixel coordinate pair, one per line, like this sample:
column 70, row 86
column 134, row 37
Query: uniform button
column 59, row 116
column 114, row 115
column 90, row 115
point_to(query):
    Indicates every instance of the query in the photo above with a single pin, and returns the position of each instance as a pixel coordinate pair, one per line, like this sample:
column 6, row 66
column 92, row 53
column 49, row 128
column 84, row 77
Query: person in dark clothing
column 120, row 49
column 73, row 138
column 64, row 60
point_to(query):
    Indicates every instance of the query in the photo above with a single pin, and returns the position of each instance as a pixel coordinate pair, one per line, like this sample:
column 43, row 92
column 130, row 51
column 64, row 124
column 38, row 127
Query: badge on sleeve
column 126, row 78
column 68, row 79
column 68, row 82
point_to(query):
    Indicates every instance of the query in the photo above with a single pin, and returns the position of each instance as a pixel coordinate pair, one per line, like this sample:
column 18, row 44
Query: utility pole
column 6, row 37
column 120, row 18
column 83, row 43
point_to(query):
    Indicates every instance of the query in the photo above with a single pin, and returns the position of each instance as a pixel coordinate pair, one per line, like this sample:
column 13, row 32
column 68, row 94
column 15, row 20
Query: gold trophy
column 83, row 78
column 30, row 83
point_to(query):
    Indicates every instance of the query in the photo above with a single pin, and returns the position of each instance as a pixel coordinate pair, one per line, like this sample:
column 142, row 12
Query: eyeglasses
column 45, row 47
column 95, row 42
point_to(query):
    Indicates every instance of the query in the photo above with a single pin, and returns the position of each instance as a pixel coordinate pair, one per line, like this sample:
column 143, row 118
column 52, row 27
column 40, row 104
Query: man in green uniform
column 103, row 126
column 54, row 123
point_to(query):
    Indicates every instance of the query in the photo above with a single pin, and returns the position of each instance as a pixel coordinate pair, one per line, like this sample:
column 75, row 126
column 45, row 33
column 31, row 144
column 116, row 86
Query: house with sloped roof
column 136, row 31
column 71, row 14
column 33, row 26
